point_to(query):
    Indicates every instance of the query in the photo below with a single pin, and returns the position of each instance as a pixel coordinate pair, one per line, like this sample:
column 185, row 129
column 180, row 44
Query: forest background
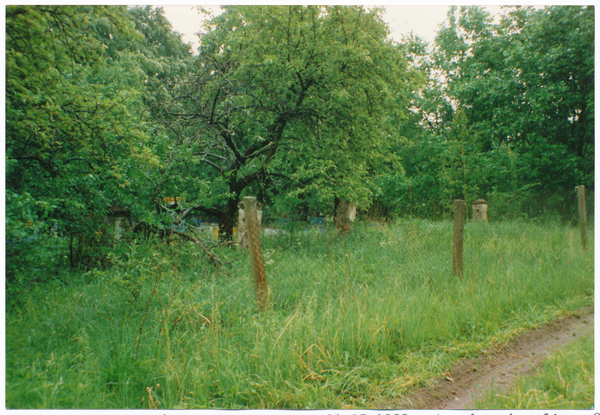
column 302, row 107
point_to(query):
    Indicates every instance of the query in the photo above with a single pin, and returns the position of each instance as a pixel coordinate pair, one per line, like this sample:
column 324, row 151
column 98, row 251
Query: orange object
column 172, row 200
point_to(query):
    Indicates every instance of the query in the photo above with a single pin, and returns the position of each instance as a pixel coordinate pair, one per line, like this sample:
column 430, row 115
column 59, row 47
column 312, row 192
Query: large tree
column 303, row 94
column 524, row 89
column 78, row 140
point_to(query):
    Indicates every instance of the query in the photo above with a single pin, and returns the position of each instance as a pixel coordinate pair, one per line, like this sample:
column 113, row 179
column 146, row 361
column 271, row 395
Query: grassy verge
column 564, row 381
column 353, row 322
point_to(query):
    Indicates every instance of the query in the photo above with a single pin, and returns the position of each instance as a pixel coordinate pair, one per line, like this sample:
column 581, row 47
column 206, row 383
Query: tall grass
column 353, row 321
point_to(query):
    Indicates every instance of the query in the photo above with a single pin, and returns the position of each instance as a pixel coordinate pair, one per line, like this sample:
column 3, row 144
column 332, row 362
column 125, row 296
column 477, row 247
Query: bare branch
column 216, row 166
column 206, row 154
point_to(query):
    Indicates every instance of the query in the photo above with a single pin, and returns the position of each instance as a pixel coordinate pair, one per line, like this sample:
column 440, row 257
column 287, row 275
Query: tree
column 303, row 94
column 525, row 88
column 76, row 132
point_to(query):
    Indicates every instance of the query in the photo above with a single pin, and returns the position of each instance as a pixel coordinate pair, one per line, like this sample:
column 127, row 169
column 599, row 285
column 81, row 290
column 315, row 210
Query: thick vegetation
column 295, row 99
column 352, row 323
column 300, row 106
column 508, row 115
column 304, row 107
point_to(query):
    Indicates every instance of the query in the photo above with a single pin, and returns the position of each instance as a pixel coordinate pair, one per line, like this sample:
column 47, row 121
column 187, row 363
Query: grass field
column 353, row 322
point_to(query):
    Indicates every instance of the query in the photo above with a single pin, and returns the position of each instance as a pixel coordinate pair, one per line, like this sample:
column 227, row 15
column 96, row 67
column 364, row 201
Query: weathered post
column 241, row 230
column 459, row 223
column 118, row 221
column 345, row 213
column 256, row 256
column 242, row 237
column 582, row 214
column 480, row 211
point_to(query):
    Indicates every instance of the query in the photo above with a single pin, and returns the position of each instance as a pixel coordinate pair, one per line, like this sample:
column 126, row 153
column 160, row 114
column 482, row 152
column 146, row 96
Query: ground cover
column 353, row 322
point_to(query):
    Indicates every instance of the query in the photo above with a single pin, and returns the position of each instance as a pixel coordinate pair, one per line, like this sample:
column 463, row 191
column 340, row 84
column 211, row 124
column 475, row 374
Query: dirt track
column 468, row 380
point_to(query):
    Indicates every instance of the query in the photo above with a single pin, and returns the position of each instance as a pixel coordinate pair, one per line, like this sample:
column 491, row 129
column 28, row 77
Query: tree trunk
column 228, row 220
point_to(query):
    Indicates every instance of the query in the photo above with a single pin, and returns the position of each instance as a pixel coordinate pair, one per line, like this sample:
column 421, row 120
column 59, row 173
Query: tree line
column 303, row 107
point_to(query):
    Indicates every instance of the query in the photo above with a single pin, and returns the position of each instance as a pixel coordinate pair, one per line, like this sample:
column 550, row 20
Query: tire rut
column 470, row 379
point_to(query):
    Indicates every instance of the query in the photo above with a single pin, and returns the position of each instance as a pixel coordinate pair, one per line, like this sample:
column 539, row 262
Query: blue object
column 316, row 220
column 284, row 222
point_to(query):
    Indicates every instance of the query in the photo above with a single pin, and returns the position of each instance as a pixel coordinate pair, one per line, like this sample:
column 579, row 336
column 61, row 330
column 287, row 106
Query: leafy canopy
column 302, row 94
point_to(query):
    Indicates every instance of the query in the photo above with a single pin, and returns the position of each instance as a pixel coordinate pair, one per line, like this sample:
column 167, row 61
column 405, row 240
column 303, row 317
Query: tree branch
column 215, row 259
column 207, row 154
column 216, row 166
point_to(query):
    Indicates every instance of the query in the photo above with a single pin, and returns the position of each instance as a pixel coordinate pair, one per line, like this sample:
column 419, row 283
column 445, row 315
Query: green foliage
column 32, row 249
column 73, row 120
column 105, row 106
column 296, row 99
column 79, row 139
column 523, row 93
column 505, row 116
column 354, row 322
column 301, row 106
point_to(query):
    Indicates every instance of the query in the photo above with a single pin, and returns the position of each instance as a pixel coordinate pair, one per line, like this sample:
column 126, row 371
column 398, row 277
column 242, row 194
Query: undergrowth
column 353, row 322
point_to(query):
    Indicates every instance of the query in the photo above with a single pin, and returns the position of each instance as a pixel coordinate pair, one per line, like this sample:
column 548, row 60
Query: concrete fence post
column 582, row 215
column 345, row 214
column 242, row 237
column 459, row 223
column 480, row 208
column 256, row 256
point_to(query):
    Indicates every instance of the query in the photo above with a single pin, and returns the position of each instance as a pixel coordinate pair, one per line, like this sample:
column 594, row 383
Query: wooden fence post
column 256, row 256
column 582, row 215
column 459, row 223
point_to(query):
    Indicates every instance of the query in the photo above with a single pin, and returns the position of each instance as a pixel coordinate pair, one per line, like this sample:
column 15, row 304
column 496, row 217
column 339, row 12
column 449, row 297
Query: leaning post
column 256, row 256
column 459, row 223
column 582, row 215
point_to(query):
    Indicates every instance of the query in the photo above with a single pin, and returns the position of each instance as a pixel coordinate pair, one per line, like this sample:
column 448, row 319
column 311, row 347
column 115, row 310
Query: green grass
column 564, row 381
column 353, row 322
